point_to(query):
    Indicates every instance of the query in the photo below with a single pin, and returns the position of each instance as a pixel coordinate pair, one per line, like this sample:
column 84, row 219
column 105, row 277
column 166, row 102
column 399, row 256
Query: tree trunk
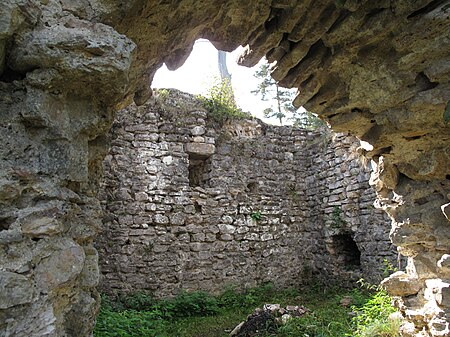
column 224, row 74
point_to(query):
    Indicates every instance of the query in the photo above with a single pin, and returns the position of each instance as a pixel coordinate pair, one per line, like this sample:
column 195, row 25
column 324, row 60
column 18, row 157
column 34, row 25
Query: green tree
column 269, row 90
column 307, row 120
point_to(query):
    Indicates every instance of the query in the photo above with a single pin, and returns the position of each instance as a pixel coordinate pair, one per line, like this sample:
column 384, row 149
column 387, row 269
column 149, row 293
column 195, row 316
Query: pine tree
column 269, row 90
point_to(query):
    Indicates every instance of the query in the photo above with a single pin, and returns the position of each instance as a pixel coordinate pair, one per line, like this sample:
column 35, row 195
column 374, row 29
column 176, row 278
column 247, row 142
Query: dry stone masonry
column 376, row 69
column 193, row 205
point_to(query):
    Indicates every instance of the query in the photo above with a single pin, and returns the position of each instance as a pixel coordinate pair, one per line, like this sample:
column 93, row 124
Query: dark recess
column 10, row 75
column 346, row 251
column 428, row 8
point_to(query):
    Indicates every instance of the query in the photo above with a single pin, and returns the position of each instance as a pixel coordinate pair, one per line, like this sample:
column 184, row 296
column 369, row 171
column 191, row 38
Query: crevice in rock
column 412, row 138
column 421, row 201
column 327, row 12
column 74, row 186
column 373, row 13
column 9, row 75
column 272, row 24
column 436, row 196
column 317, row 54
column 366, row 50
column 252, row 186
column 382, row 151
column 342, row 16
column 5, row 222
column 198, row 207
column 305, row 82
column 423, row 83
column 373, row 134
column 332, row 115
column 428, row 8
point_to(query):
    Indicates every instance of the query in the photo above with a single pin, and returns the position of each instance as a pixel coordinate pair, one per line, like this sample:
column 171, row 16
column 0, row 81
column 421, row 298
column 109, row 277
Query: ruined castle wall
column 192, row 205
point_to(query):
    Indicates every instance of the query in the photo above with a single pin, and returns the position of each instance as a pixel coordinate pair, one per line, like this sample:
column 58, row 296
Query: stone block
column 16, row 289
column 61, row 266
column 226, row 237
column 141, row 196
column 200, row 150
column 226, row 229
column 160, row 219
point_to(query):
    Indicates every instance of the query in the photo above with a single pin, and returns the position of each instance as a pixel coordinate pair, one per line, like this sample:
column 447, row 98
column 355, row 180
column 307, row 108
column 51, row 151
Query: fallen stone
column 346, row 301
column 267, row 319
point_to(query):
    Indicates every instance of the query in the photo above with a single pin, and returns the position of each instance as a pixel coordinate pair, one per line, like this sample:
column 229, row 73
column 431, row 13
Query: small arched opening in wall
column 345, row 251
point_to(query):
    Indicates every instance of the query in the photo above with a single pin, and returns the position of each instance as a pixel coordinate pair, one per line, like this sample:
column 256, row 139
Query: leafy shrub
column 372, row 319
column 139, row 301
column 139, row 315
column 162, row 93
column 186, row 304
column 220, row 102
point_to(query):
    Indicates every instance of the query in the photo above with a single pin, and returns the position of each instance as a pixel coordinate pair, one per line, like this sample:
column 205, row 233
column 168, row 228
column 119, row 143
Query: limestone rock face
column 16, row 290
column 378, row 69
column 400, row 284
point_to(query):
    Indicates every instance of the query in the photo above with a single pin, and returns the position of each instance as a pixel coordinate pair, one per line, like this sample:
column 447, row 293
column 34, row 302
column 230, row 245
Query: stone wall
column 193, row 205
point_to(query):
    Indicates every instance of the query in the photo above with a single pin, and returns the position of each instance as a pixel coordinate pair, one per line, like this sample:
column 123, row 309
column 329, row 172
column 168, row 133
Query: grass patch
column 199, row 314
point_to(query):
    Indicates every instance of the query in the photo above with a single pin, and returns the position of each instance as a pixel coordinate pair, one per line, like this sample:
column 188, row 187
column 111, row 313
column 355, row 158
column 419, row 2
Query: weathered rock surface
column 378, row 69
column 401, row 284
column 16, row 290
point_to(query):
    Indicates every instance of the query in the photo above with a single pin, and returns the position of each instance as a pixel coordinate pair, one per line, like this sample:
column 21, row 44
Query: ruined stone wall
column 191, row 205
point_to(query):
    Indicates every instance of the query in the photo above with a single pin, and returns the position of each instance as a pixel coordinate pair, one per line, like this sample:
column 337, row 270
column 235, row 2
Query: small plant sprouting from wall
column 388, row 268
column 162, row 93
column 293, row 192
column 336, row 217
column 256, row 215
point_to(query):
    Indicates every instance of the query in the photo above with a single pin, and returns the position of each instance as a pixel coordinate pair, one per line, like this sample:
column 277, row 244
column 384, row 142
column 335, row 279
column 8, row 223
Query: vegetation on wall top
column 220, row 102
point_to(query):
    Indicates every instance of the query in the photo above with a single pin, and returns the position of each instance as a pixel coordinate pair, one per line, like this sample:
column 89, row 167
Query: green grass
column 199, row 314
